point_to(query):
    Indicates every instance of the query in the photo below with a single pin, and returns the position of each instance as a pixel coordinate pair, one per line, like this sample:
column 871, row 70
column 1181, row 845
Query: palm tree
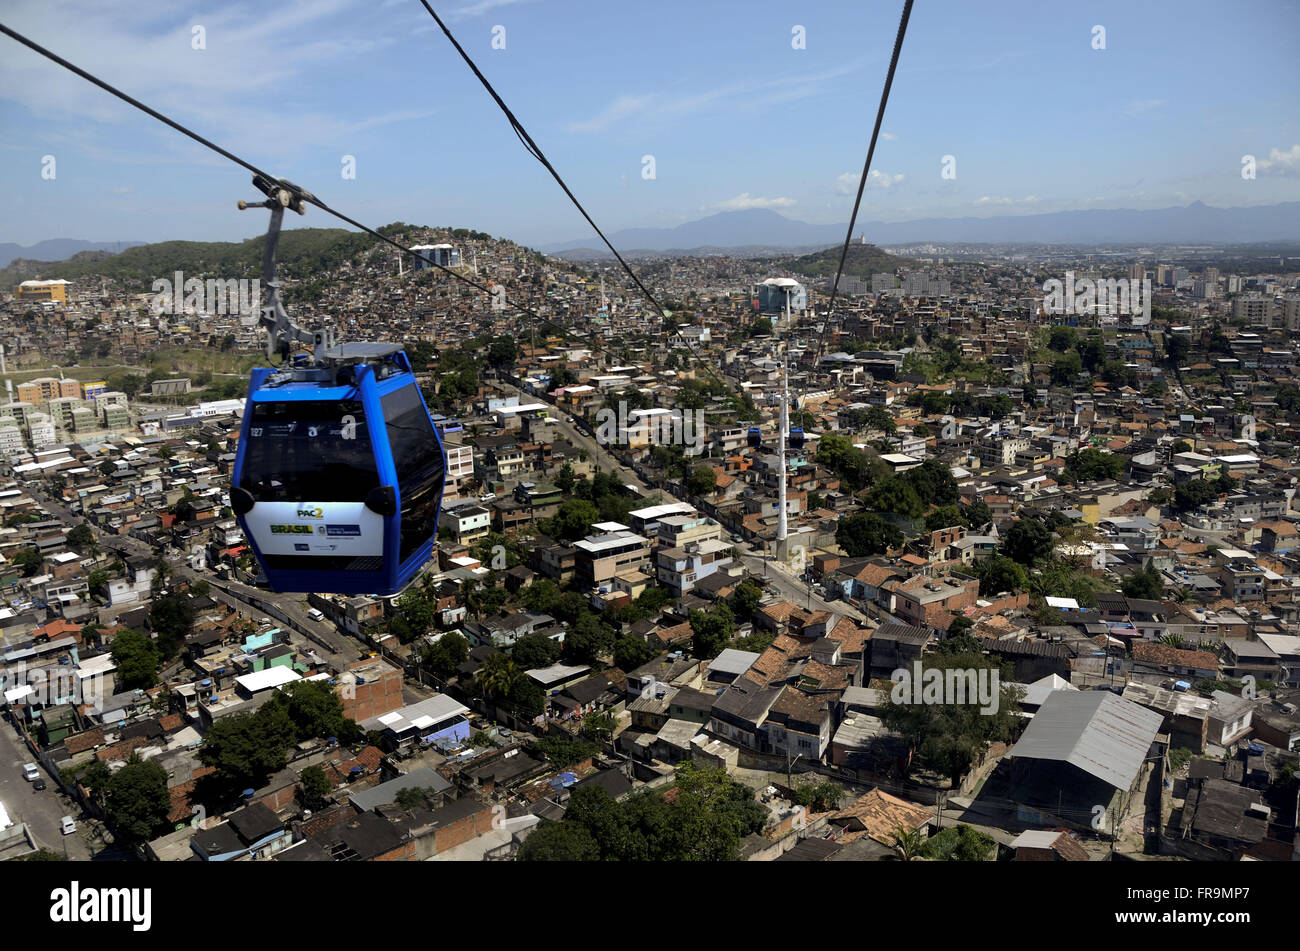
column 908, row 844
column 497, row 675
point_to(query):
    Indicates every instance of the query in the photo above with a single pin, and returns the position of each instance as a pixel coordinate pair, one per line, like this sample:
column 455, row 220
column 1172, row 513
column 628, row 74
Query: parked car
column 31, row 772
column 68, row 825
column 39, row 783
column 315, row 615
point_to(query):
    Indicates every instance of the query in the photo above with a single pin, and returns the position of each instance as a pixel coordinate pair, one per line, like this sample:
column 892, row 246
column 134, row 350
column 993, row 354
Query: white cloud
column 481, row 7
column 991, row 200
column 620, row 108
column 745, row 201
column 1139, row 106
column 231, row 91
column 658, row 106
column 1283, row 163
column 888, row 136
column 847, row 184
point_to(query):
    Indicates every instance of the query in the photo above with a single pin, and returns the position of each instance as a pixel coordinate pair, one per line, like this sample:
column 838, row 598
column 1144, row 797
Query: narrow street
column 43, row 810
column 778, row 576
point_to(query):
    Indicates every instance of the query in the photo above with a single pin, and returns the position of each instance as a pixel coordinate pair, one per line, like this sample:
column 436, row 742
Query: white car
column 68, row 825
column 315, row 615
column 31, row 772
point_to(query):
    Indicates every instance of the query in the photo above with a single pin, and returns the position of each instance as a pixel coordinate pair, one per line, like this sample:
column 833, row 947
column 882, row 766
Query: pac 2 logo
column 311, row 513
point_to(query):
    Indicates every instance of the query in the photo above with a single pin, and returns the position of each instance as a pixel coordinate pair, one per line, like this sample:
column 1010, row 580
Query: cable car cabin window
column 419, row 463
column 309, row 451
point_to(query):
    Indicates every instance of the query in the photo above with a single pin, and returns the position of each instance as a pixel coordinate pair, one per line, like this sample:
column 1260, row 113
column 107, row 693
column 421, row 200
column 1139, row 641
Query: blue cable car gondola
column 339, row 475
column 755, row 437
column 796, row 437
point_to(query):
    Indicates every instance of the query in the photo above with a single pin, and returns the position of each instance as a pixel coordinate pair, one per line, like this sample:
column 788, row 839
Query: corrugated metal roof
column 1104, row 735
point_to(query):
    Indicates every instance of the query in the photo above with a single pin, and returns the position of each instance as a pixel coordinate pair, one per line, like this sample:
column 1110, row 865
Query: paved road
column 776, row 575
column 602, row 457
column 41, row 811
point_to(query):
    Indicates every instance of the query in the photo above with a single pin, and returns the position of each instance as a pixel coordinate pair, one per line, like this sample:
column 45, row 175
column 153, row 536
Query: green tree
column 82, row 538
column 896, row 494
column 573, row 520
column 415, row 615
column 1061, row 339
column 934, row 483
column 28, row 560
column 1027, row 542
column 559, row 842
column 630, row 653
column 446, row 654
column 171, row 618
column 1145, row 583
column 564, row 479
column 534, row 651
column 702, row 481
column 315, row 787
column 247, row 748
column 880, row 418
column 1192, row 495
column 315, row 711
column 137, row 660
column 138, row 802
column 497, row 675
column 999, row 574
column 1066, row 368
column 959, row 625
column 565, row 751
column 947, row 736
column 960, row 843
column 866, row 534
column 1092, row 352
column 587, row 640
column 978, row 513
column 745, row 599
column 712, row 630
column 1093, row 465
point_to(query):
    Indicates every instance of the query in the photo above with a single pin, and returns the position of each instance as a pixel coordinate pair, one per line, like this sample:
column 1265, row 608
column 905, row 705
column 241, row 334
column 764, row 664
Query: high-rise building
column 445, row 255
column 771, row 295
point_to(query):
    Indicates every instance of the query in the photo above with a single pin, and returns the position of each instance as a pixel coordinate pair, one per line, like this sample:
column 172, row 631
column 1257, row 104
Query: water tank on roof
column 249, row 793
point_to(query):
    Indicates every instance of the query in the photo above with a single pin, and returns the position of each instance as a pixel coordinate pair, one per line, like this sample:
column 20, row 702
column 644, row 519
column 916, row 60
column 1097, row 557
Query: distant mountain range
column 1196, row 223
column 58, row 249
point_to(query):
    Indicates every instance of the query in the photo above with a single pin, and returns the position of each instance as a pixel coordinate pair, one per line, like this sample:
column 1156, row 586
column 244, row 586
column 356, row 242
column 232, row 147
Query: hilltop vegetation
column 862, row 261
column 301, row 252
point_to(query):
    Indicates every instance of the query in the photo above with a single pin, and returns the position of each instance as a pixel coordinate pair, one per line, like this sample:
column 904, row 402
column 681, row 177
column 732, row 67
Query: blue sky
column 734, row 116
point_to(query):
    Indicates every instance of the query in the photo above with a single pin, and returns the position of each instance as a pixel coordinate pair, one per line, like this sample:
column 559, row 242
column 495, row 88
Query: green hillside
column 301, row 253
column 862, row 261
